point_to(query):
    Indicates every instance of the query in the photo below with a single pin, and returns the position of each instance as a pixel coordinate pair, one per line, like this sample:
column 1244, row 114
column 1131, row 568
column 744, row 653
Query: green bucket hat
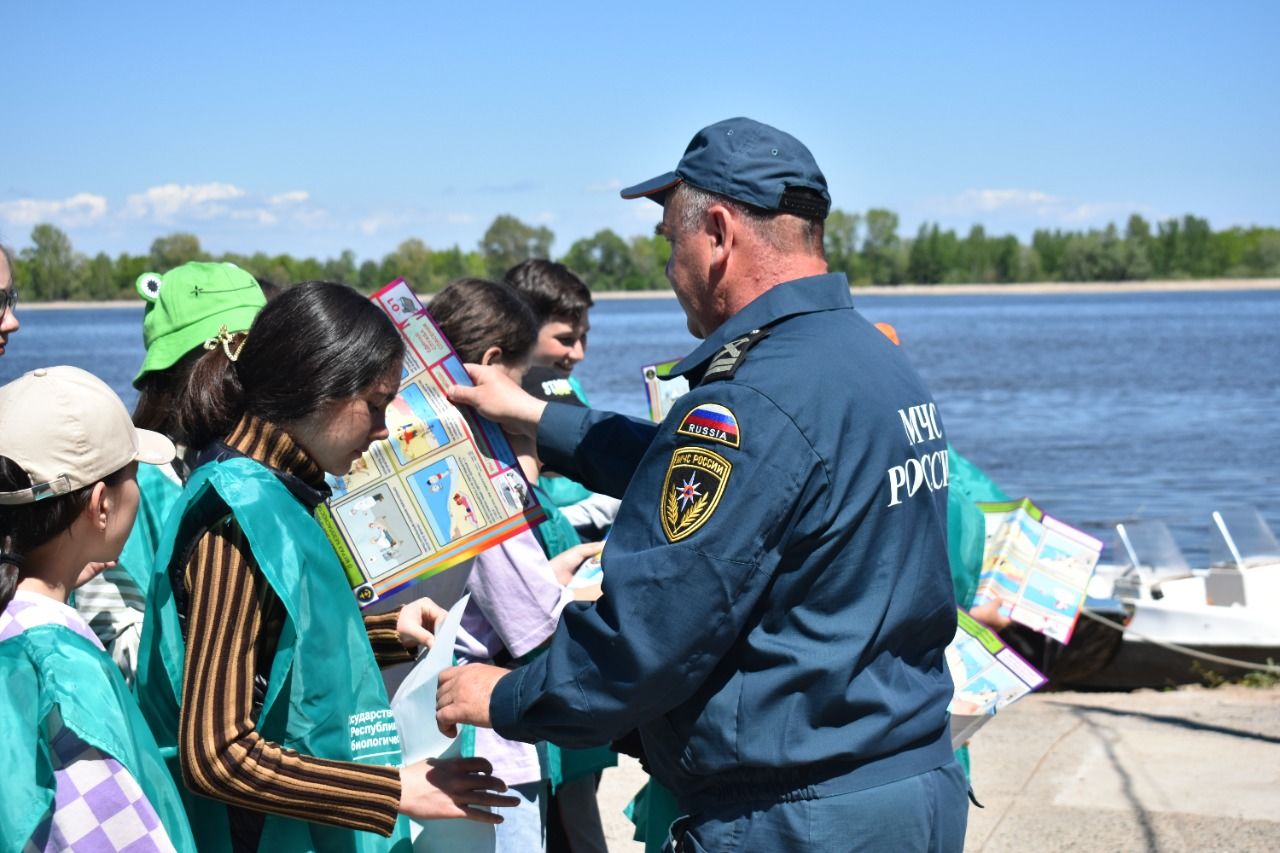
column 190, row 305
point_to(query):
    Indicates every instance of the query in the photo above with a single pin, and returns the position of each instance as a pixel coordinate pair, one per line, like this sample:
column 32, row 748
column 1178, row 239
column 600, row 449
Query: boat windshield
column 1241, row 538
column 1148, row 546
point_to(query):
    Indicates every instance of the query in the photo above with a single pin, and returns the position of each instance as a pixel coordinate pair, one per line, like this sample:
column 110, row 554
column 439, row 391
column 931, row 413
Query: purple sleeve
column 516, row 593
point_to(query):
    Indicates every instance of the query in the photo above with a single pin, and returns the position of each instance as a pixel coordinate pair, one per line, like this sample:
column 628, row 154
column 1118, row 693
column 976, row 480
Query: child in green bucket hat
column 190, row 310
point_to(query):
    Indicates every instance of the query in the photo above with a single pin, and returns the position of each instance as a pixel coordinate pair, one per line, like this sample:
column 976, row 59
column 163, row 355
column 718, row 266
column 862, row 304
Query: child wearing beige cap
column 87, row 773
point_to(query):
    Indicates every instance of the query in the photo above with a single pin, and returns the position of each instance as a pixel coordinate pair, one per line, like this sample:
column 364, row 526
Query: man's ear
column 493, row 355
column 99, row 506
column 719, row 225
column 721, row 233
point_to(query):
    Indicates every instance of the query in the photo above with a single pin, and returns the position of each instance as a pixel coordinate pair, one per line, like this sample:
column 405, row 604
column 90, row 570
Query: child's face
column 562, row 344
column 341, row 430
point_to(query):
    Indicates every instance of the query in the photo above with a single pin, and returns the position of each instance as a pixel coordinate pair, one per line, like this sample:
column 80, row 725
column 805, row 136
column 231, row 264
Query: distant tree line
column 867, row 247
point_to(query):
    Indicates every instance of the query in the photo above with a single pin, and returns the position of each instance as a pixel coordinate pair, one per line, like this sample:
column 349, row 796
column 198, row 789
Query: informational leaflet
column 443, row 487
column 662, row 388
column 414, row 707
column 988, row 676
column 1036, row 567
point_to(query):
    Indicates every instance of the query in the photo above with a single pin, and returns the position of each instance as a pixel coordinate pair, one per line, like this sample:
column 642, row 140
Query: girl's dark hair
column 554, row 291
column 476, row 314
column 157, row 392
column 27, row 526
column 314, row 343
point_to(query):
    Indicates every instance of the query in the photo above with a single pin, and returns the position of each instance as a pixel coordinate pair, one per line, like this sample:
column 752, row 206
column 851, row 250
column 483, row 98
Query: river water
column 1100, row 407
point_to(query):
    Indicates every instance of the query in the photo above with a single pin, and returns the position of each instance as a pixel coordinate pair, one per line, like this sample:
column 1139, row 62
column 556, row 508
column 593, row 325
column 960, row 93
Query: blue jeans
column 920, row 814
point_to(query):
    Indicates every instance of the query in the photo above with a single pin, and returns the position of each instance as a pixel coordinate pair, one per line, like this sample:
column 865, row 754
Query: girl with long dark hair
column 256, row 663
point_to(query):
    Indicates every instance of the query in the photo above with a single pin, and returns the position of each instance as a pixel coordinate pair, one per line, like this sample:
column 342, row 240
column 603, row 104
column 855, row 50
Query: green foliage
column 53, row 269
column 508, row 241
column 175, row 250
column 885, row 257
column 1262, row 678
column 866, row 247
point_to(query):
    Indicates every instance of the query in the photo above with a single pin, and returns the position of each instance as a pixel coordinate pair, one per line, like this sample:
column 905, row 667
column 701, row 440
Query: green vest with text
column 324, row 697
column 158, row 494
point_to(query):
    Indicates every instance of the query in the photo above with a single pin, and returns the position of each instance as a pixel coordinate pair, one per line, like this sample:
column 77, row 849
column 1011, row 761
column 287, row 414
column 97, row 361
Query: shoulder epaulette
column 726, row 362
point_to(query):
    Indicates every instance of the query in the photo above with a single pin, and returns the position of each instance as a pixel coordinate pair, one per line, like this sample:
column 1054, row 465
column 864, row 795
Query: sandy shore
column 1190, row 769
column 1034, row 288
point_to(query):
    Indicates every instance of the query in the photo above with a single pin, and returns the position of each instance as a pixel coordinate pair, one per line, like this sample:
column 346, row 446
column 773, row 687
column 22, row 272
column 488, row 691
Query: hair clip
column 11, row 559
column 227, row 340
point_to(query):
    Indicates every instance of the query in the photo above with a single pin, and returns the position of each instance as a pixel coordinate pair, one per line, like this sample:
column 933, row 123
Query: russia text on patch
column 713, row 422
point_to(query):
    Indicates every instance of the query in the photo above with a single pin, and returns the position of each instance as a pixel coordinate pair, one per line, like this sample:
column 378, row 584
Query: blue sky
column 314, row 127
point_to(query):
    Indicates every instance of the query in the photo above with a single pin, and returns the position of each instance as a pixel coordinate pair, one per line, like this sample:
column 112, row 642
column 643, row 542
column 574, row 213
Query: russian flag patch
column 712, row 422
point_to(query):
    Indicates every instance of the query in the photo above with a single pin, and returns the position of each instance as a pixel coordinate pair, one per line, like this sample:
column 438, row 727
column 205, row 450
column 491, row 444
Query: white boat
column 1229, row 610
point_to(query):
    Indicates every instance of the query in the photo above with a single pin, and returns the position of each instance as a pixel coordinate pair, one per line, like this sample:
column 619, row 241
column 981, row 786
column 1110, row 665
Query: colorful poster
column 440, row 489
column 662, row 388
column 1036, row 567
column 987, row 674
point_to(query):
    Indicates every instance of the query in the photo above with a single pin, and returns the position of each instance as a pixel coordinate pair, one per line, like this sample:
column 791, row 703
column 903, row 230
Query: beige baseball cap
column 68, row 430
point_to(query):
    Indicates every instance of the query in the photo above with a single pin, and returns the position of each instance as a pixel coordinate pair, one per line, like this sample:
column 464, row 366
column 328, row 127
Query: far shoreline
column 1027, row 289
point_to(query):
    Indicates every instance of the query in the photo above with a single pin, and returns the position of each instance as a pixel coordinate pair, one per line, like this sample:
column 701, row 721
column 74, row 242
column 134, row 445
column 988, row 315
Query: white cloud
column 985, row 201
column 255, row 214
column 1031, row 203
column 291, row 197
column 544, row 217
column 312, row 217
column 459, row 218
column 79, row 209
column 371, row 225
column 197, row 201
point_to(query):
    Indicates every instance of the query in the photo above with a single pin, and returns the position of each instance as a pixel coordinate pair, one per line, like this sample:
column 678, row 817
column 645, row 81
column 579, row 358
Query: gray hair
column 777, row 230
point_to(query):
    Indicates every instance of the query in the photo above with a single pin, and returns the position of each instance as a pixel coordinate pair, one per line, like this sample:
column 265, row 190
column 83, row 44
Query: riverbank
column 1189, row 769
column 1028, row 289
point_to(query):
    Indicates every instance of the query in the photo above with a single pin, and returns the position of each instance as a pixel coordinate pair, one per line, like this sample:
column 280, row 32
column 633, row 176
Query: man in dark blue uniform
column 776, row 595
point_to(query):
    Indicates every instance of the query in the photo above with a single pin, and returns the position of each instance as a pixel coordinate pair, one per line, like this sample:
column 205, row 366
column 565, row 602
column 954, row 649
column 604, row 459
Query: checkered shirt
column 98, row 805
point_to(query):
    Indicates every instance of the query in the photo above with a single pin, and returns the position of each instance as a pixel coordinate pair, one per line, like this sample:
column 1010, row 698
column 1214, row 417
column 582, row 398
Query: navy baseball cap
column 749, row 162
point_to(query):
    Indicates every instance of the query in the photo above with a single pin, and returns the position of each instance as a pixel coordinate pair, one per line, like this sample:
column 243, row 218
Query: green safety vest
column 966, row 524
column 325, row 696
column 967, row 535
column 157, row 494
column 51, row 666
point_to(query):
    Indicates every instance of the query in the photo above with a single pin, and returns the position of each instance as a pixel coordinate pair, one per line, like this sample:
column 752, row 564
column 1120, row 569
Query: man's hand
column 435, row 789
column 418, row 621
column 499, row 399
column 463, row 696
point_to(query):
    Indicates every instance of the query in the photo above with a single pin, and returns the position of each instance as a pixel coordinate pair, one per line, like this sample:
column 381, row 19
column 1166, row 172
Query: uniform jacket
column 777, row 596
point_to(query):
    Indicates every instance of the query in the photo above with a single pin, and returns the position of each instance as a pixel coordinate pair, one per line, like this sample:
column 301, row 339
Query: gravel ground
column 1191, row 769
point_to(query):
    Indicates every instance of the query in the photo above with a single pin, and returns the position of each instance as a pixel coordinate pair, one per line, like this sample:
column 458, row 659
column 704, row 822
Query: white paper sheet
column 414, row 707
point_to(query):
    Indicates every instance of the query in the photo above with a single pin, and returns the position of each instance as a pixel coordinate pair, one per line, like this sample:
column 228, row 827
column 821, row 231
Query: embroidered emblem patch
column 712, row 422
column 695, row 481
